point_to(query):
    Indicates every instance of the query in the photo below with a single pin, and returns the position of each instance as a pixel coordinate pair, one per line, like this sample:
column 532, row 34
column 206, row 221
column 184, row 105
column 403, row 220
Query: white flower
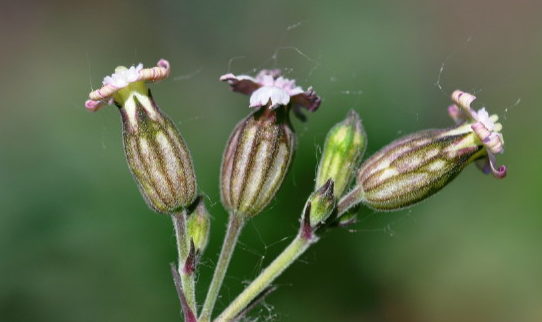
column 122, row 76
column 269, row 88
column 483, row 116
column 273, row 95
column 484, row 126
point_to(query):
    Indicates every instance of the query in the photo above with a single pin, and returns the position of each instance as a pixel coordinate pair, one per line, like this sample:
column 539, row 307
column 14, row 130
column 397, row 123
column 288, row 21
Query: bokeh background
column 77, row 242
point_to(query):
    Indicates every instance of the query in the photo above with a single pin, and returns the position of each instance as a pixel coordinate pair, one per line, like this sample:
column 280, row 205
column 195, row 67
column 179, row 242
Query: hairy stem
column 189, row 315
column 183, row 247
column 234, row 228
column 350, row 200
column 297, row 247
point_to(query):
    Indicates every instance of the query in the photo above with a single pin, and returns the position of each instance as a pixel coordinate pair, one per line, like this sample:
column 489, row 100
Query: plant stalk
column 183, row 247
column 297, row 247
column 189, row 315
column 350, row 200
column 230, row 240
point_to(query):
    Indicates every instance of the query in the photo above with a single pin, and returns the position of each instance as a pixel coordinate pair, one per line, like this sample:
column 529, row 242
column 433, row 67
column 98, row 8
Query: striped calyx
column 156, row 153
column 256, row 160
column 415, row 167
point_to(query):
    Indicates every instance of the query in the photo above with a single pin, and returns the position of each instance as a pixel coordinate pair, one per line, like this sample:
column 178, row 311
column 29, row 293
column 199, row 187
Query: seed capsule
column 256, row 160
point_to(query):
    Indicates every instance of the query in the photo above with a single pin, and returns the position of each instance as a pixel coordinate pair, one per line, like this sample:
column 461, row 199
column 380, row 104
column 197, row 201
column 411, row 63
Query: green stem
column 351, row 199
column 183, row 247
column 234, row 228
column 297, row 247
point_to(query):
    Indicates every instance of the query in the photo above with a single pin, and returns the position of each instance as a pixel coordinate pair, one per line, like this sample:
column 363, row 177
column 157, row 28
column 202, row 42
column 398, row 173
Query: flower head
column 122, row 76
column 415, row 167
column 114, row 84
column 485, row 127
column 270, row 89
column 155, row 150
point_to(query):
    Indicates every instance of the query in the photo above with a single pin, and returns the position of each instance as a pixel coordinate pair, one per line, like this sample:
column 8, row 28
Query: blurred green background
column 77, row 242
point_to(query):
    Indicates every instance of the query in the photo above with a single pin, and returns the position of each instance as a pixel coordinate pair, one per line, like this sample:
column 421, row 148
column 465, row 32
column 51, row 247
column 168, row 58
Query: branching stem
column 297, row 247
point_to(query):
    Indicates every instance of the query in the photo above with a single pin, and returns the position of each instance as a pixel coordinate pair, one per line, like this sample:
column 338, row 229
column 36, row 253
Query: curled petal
column 122, row 78
column 494, row 143
column 242, row 84
column 497, row 173
column 487, row 166
column 481, row 130
column 463, row 101
column 269, row 95
column 153, row 74
column 308, row 100
column 105, row 92
column 94, row 105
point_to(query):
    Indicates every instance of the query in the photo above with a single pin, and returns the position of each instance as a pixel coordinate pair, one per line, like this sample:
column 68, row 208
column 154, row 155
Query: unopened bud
column 320, row 204
column 343, row 150
column 256, row 160
column 156, row 153
column 198, row 225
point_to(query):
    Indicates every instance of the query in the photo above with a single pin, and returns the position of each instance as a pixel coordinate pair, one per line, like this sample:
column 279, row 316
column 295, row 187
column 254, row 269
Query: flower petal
column 497, row 173
column 492, row 141
column 242, row 84
column 308, row 100
column 269, row 95
column 483, row 116
column 123, row 77
column 463, row 100
column 94, row 105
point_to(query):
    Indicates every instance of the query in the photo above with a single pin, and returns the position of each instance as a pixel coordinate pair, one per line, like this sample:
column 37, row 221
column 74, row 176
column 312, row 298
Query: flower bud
column 343, row 150
column 198, row 225
column 320, row 204
column 256, row 160
column 156, row 153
